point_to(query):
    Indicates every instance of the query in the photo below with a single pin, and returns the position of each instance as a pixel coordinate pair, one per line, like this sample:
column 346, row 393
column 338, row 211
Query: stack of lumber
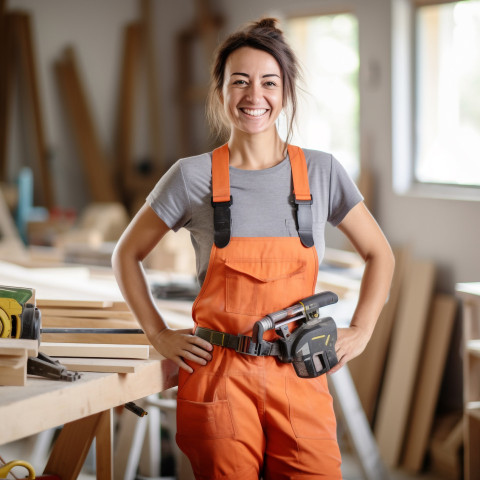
column 14, row 354
column 97, row 352
column 398, row 376
column 89, row 314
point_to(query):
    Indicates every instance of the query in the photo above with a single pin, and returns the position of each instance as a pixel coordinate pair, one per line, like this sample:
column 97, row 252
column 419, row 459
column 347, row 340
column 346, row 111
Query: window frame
column 404, row 41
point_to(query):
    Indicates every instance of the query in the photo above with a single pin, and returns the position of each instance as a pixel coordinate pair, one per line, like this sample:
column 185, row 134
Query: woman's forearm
column 134, row 287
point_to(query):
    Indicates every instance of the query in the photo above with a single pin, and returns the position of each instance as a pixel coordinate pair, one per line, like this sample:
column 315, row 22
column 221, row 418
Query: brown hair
column 262, row 35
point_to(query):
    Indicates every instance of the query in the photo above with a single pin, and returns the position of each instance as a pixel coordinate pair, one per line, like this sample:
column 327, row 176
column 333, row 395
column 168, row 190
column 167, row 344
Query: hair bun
column 267, row 23
column 268, row 26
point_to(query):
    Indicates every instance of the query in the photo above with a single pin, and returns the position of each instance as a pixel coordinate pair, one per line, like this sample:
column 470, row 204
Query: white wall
column 445, row 231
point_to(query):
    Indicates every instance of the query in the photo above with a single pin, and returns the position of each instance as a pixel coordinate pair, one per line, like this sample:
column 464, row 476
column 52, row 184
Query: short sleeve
column 344, row 194
column 169, row 198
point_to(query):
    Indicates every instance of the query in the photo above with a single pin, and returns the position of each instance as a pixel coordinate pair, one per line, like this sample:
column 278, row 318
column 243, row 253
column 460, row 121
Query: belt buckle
column 245, row 345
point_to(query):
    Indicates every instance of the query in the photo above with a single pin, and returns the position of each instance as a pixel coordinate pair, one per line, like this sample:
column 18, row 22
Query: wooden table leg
column 73, row 443
column 104, row 446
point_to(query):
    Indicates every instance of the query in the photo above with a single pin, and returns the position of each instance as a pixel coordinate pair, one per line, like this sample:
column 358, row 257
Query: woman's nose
column 254, row 93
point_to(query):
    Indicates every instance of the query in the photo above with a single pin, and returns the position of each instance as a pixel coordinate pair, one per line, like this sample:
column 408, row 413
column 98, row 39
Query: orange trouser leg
column 218, row 423
column 300, row 429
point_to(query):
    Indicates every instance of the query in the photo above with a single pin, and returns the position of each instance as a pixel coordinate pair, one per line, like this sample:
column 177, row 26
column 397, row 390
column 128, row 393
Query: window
column 447, row 104
column 328, row 110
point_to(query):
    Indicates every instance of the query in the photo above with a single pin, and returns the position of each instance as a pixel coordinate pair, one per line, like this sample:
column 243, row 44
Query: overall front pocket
column 208, row 420
column 259, row 287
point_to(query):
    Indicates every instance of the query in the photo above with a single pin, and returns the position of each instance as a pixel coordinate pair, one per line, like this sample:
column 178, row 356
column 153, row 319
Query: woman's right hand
column 181, row 345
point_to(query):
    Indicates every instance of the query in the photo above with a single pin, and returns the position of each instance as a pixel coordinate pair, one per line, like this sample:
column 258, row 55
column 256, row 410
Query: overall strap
column 302, row 196
column 221, row 198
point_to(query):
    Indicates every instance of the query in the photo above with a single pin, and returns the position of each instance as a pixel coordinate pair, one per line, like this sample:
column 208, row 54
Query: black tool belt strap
column 239, row 343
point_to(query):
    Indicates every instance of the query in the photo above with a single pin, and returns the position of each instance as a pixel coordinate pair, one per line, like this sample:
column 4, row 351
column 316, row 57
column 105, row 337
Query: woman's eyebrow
column 248, row 76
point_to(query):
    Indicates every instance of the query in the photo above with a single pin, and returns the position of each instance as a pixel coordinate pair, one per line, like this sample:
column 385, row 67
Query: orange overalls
column 249, row 417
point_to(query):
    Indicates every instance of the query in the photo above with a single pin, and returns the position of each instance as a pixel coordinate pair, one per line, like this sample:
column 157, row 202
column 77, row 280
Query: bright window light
column 448, row 94
column 328, row 111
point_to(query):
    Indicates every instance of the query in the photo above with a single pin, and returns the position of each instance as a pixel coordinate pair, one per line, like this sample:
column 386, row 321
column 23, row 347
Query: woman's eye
column 270, row 84
column 239, row 82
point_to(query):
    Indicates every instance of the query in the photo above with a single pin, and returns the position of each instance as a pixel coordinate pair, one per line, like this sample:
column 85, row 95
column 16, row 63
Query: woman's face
column 252, row 93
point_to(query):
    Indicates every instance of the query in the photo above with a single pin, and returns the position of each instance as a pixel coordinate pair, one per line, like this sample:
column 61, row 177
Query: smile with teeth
column 254, row 112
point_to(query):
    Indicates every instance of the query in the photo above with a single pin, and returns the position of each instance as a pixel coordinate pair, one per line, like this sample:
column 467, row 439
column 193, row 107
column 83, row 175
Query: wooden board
column 368, row 368
column 6, row 83
column 13, row 369
column 86, row 313
column 434, row 355
column 29, row 90
column 115, row 365
column 18, row 346
column 46, row 303
column 94, row 350
column 403, row 360
column 76, row 322
column 96, row 338
column 92, row 156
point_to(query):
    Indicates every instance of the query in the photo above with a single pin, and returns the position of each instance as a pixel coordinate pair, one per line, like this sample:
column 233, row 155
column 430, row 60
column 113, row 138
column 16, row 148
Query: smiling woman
column 256, row 209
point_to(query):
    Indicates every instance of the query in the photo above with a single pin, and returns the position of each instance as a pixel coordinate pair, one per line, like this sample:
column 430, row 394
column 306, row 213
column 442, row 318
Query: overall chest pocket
column 259, row 287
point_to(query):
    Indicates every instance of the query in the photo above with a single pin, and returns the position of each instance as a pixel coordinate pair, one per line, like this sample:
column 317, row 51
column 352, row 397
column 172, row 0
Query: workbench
column 84, row 407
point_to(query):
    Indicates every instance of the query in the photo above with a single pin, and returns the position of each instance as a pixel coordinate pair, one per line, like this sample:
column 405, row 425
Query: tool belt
column 240, row 343
column 310, row 347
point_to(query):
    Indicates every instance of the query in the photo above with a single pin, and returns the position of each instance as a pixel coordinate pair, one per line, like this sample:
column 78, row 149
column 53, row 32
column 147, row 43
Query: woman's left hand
column 350, row 343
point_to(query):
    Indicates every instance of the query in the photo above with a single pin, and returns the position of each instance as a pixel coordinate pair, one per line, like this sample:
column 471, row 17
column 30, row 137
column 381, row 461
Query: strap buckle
column 303, row 202
column 246, row 346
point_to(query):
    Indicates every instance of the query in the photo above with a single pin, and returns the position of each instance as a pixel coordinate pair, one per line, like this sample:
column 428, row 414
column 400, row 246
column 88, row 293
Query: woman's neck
column 255, row 152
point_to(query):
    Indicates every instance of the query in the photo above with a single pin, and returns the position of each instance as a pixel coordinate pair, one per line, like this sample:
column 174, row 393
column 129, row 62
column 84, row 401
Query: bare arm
column 140, row 237
column 368, row 239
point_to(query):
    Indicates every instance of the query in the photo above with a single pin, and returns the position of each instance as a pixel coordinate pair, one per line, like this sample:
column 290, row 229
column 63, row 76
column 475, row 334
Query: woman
column 256, row 209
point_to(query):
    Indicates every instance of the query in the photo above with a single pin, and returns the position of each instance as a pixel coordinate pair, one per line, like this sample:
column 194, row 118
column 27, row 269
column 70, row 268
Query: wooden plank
column 6, row 83
column 51, row 303
column 86, row 313
column 114, row 365
column 31, row 95
column 18, row 346
column 94, row 350
column 96, row 338
column 126, row 101
column 92, row 156
column 75, row 322
column 13, row 370
column 155, row 124
column 434, row 355
column 403, row 360
column 368, row 368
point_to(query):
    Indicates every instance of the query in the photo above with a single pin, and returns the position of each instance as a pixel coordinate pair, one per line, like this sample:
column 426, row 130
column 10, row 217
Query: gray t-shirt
column 262, row 200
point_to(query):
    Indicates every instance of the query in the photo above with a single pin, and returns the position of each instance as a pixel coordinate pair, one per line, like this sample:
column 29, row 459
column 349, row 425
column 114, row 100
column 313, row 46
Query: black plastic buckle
column 303, row 202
